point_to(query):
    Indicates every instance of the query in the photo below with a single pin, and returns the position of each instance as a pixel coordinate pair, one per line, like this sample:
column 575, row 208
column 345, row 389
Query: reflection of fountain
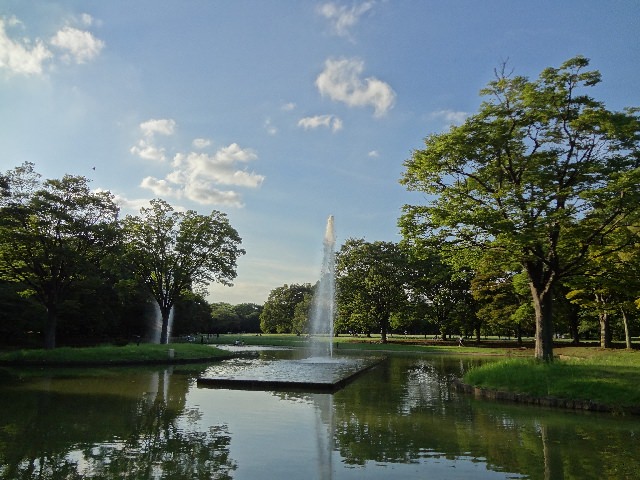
column 325, row 431
column 323, row 307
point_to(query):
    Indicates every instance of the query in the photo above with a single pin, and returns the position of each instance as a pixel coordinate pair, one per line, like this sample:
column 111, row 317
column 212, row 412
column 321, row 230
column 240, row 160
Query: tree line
column 71, row 267
column 530, row 224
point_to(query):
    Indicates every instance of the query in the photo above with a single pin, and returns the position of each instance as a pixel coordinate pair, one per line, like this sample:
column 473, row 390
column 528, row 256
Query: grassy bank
column 608, row 377
column 395, row 344
column 112, row 355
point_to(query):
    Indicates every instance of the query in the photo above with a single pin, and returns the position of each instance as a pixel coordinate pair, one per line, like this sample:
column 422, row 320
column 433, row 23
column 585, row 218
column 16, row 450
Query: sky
column 278, row 113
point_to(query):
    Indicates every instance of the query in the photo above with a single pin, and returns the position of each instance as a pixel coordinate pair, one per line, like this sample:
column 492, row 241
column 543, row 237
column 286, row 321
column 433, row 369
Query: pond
column 399, row 420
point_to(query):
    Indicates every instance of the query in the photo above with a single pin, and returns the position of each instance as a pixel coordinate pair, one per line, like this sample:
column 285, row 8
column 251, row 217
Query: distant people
column 460, row 342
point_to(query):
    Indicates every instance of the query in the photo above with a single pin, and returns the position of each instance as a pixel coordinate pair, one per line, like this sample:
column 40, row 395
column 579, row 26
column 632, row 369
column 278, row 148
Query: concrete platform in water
column 315, row 374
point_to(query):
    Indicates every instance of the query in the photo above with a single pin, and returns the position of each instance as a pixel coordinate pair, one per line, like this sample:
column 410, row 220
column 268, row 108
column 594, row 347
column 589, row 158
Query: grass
column 106, row 355
column 395, row 344
column 608, row 377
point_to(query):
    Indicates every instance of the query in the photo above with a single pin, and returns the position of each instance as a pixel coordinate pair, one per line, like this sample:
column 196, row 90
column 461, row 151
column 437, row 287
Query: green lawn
column 609, row 377
column 105, row 355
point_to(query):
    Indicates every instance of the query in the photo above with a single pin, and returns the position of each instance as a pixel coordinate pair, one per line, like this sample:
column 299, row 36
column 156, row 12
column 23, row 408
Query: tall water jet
column 323, row 306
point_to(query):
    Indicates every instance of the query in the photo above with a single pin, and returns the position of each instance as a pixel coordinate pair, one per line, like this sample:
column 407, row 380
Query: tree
column 541, row 173
column 278, row 314
column 371, row 282
column 53, row 237
column 172, row 252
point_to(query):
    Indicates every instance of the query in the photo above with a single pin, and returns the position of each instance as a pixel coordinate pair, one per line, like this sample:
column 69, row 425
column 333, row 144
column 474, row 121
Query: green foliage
column 372, row 281
column 542, row 173
column 54, row 236
column 171, row 252
column 279, row 312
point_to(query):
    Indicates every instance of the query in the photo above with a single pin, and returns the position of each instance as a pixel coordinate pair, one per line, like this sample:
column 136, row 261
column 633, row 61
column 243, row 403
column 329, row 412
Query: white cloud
column 329, row 121
column 287, row 107
column 201, row 143
column 163, row 126
column 160, row 188
column 148, row 151
column 374, row 154
column 197, row 176
column 450, row 116
column 21, row 57
column 341, row 81
column 28, row 57
column 81, row 46
column 146, row 147
column 343, row 18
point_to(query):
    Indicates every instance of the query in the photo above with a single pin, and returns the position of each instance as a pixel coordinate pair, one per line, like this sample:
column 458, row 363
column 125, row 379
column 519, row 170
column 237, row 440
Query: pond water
column 399, row 420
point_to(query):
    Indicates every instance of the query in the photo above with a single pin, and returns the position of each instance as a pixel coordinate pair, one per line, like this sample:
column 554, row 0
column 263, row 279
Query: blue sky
column 277, row 112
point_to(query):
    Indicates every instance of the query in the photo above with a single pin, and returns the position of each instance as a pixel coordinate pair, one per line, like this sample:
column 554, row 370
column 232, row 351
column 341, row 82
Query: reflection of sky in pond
column 287, row 436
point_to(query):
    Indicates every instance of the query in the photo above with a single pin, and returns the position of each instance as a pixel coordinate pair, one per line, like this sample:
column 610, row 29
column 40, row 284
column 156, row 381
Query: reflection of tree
column 417, row 417
column 126, row 427
column 164, row 451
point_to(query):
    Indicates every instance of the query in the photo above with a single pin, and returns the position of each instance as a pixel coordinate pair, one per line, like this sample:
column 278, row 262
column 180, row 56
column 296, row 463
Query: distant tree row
column 70, row 266
column 531, row 224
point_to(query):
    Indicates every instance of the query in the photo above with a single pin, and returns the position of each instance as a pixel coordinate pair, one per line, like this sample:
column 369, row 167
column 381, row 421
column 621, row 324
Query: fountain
column 322, row 312
column 319, row 371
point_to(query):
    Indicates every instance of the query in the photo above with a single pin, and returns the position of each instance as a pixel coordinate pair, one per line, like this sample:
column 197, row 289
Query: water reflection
column 400, row 420
column 123, row 424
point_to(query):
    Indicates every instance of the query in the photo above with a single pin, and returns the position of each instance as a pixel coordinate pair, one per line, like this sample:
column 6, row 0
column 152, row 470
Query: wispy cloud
column 328, row 121
column 341, row 81
column 79, row 46
column 270, row 127
column 451, row 117
column 146, row 147
column 343, row 18
column 201, row 177
column 201, row 143
column 25, row 56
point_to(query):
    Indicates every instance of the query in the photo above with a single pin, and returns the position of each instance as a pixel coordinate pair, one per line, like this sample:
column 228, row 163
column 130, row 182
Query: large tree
column 173, row 252
column 372, row 283
column 54, row 234
column 279, row 312
column 542, row 172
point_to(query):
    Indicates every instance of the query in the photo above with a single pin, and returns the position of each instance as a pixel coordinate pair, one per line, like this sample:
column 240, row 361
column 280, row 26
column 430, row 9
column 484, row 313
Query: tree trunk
column 165, row 332
column 574, row 324
column 627, row 335
column 50, row 328
column 543, row 306
column 605, row 330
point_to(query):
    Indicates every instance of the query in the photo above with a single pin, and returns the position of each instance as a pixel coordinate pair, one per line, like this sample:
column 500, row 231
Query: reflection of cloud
column 28, row 56
column 343, row 18
column 341, row 81
column 329, row 121
column 197, row 176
